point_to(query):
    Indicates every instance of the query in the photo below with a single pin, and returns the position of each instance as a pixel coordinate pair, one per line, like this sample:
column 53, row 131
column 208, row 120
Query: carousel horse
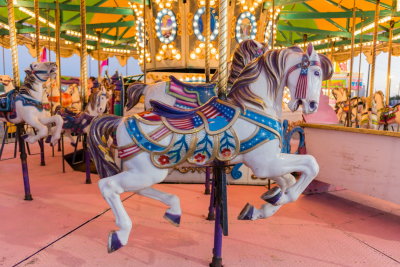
column 54, row 96
column 76, row 102
column 243, row 129
column 388, row 117
column 188, row 96
column 342, row 103
column 25, row 104
column 369, row 117
column 76, row 122
column 7, row 82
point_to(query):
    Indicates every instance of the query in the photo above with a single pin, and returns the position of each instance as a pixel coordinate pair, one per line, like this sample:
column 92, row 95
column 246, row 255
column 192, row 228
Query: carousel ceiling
column 326, row 23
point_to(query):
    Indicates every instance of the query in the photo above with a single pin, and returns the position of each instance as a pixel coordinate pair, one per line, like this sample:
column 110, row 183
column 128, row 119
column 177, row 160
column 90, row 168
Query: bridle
column 302, row 82
column 36, row 72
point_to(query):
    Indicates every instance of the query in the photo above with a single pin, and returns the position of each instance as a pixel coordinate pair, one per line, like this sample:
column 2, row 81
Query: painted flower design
column 163, row 159
column 199, row 157
column 226, row 152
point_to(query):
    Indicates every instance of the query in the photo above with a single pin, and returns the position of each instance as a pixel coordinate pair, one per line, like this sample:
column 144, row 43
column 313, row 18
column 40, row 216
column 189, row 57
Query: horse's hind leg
column 173, row 214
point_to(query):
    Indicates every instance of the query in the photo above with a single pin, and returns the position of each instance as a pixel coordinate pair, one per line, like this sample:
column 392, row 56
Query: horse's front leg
column 42, row 129
column 58, row 121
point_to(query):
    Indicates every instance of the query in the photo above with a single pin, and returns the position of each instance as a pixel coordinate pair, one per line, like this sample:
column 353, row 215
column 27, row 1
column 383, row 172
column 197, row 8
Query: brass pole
column 359, row 71
column 37, row 29
column 144, row 42
column 372, row 81
column 388, row 78
column 13, row 42
column 58, row 47
column 207, row 34
column 348, row 119
column 98, row 56
column 273, row 25
column 83, row 52
column 223, row 49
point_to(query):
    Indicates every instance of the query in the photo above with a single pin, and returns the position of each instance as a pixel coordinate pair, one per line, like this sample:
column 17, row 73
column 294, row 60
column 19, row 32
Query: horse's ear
column 28, row 72
column 326, row 66
column 310, row 49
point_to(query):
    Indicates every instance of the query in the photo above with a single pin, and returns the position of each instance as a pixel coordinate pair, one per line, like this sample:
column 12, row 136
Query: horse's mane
column 273, row 62
column 243, row 54
column 92, row 100
column 26, row 87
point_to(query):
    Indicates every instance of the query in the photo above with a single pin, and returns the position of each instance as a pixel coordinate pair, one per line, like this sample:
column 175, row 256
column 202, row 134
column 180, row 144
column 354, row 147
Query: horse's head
column 41, row 71
column 6, row 80
column 304, row 75
column 98, row 101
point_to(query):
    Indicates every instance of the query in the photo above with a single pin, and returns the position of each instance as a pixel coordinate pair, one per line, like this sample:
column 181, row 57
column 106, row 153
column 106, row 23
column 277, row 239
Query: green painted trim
column 327, row 19
column 130, row 23
column 291, row 15
column 314, row 31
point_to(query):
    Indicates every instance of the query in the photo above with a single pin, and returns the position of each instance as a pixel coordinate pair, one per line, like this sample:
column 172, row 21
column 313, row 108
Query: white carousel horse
column 7, row 81
column 78, row 122
column 25, row 104
column 76, row 102
column 388, row 117
column 187, row 96
column 369, row 117
column 245, row 128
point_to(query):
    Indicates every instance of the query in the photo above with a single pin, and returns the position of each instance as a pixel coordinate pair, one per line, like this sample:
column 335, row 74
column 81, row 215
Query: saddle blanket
column 198, row 136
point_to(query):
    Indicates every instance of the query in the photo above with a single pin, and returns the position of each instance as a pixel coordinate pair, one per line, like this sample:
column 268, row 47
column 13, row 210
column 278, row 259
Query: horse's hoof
column 172, row 218
column 272, row 196
column 48, row 139
column 113, row 242
column 25, row 136
column 247, row 212
column 73, row 144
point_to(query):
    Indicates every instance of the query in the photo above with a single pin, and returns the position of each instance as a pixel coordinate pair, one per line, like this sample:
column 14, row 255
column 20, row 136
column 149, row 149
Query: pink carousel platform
column 67, row 224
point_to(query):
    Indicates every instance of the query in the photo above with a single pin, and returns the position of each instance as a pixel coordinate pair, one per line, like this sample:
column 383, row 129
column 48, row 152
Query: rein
column 36, row 72
column 302, row 82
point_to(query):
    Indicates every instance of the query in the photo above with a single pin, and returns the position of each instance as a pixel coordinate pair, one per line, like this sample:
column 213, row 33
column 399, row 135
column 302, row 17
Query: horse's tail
column 134, row 92
column 100, row 130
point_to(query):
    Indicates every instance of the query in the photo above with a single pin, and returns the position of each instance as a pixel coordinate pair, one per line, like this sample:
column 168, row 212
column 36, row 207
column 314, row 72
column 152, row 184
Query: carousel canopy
column 112, row 24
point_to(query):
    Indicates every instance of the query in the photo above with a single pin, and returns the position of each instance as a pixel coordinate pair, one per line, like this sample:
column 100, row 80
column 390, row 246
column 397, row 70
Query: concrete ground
column 68, row 222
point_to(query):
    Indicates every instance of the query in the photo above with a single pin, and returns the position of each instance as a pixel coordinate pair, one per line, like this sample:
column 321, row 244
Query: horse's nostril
column 313, row 105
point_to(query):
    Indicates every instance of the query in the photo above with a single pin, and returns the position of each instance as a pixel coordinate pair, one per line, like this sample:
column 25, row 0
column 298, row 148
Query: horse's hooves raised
column 48, row 139
column 113, row 242
column 172, row 218
column 272, row 196
column 247, row 212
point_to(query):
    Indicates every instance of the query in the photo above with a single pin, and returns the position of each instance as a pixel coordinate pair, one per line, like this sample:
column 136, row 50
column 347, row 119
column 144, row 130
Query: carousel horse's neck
column 35, row 89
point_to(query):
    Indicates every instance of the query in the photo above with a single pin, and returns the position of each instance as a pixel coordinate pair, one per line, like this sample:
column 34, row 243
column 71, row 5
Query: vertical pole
column 13, row 42
column 223, row 49
column 375, row 38
column 83, row 52
column 58, row 54
column 207, row 33
column 144, row 42
column 24, row 164
column 349, row 112
column 37, row 29
column 98, row 56
column 359, row 71
column 273, row 25
column 87, row 159
column 207, row 183
column 388, row 77
column 211, row 210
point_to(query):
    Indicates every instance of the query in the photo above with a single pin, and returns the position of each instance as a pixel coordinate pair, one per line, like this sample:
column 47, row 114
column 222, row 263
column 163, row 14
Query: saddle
column 6, row 101
column 215, row 116
column 190, row 95
column 74, row 121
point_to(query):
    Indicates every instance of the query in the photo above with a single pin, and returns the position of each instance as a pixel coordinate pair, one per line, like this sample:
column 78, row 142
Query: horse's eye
column 317, row 73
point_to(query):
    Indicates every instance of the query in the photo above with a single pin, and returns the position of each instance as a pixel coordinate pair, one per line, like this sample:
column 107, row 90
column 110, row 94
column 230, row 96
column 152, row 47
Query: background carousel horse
column 342, row 103
column 187, row 96
column 78, row 122
column 7, row 83
column 76, row 102
column 245, row 128
column 388, row 117
column 53, row 95
column 25, row 104
column 369, row 117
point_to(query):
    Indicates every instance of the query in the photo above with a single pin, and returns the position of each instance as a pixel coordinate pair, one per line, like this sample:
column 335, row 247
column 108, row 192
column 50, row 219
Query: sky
column 71, row 67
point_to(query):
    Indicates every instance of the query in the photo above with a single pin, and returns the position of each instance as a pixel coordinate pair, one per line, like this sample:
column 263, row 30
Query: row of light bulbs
column 117, row 50
column 168, row 52
column 164, row 3
column 90, row 37
column 138, row 8
column 200, row 51
column 245, row 7
column 372, row 25
column 270, row 29
column 5, row 26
